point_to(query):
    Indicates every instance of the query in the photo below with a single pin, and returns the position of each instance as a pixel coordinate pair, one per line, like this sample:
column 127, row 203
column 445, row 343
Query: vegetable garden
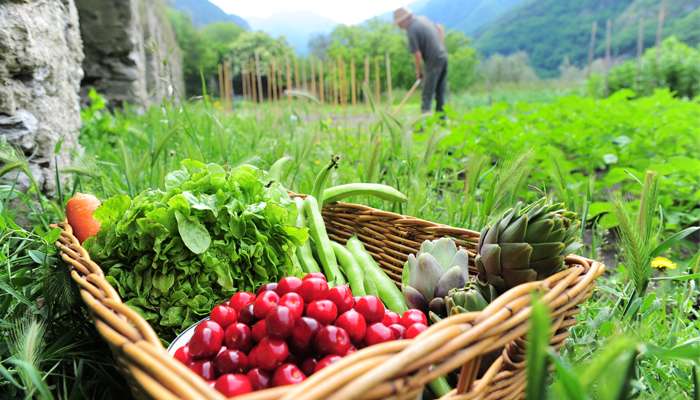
column 210, row 213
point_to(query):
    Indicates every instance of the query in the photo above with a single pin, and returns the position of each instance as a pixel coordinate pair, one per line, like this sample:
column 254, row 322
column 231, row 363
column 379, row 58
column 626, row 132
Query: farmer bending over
column 426, row 40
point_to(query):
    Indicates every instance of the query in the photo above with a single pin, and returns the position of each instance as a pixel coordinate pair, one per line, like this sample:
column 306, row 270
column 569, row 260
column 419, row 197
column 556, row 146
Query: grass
column 464, row 171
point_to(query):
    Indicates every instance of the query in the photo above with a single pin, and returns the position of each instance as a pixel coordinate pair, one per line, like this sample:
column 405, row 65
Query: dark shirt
column 423, row 35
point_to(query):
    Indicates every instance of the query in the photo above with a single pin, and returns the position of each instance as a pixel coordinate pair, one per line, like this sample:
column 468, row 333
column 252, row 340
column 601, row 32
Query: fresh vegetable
column 317, row 230
column 278, row 169
column 429, row 274
column 322, row 177
column 385, row 287
column 303, row 252
column 285, row 339
column 213, row 231
column 351, row 269
column 340, row 192
column 79, row 213
column 527, row 244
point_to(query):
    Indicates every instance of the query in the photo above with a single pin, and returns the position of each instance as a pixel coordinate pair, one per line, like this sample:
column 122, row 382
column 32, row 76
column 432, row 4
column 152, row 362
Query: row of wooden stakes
column 332, row 82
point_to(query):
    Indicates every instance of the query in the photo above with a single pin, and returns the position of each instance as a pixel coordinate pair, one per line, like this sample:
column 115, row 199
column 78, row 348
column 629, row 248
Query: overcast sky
column 341, row 11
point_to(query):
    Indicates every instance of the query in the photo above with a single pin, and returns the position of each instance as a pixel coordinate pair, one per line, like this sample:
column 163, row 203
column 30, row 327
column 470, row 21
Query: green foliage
column 173, row 254
column 463, row 60
column 246, row 45
column 197, row 56
column 514, row 68
column 674, row 65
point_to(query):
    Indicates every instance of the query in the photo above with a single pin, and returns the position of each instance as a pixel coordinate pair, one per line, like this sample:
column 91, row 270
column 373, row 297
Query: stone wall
column 40, row 73
column 131, row 54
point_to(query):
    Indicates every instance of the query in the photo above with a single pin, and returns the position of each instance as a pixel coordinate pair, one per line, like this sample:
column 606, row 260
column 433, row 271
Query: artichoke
column 429, row 275
column 527, row 244
column 475, row 296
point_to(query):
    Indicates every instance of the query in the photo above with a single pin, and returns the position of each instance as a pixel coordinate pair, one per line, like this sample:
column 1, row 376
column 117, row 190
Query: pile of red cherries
column 287, row 331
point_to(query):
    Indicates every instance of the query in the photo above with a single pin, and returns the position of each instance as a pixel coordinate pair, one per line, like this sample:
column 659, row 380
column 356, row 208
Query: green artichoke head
column 428, row 275
column 474, row 296
column 526, row 244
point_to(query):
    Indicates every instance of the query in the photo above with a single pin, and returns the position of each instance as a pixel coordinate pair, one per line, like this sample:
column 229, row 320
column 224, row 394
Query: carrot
column 79, row 210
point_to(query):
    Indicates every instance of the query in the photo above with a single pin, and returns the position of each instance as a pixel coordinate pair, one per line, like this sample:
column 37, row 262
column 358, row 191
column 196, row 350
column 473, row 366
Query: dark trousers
column 434, row 85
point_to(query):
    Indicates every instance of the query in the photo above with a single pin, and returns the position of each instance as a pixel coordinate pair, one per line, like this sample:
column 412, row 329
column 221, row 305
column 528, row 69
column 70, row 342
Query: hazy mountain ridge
column 203, row 12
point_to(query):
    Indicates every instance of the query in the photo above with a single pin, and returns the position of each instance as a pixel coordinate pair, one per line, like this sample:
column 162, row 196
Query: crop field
column 591, row 154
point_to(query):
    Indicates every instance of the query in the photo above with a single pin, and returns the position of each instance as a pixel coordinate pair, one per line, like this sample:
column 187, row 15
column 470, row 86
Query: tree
column 461, row 72
column 245, row 46
column 196, row 56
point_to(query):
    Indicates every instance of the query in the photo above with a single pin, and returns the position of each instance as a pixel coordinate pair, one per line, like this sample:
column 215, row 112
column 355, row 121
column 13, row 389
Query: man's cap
column 401, row 15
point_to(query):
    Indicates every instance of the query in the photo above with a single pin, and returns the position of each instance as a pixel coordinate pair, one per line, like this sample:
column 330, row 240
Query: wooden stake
column 377, row 84
column 640, row 39
column 304, row 82
column 289, row 80
column 280, row 83
column 591, row 47
column 296, row 74
column 341, row 81
column 660, row 25
column 268, row 72
column 390, row 97
column 353, row 84
column 254, row 81
column 608, row 44
column 335, row 85
column 259, row 78
column 365, row 83
column 313, row 78
column 321, row 83
column 273, row 78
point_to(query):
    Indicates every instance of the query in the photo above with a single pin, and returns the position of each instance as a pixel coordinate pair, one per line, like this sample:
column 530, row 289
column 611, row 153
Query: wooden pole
column 390, row 97
column 280, row 82
column 313, row 77
column 321, row 83
column 591, row 47
column 253, row 81
column 304, row 82
column 608, row 44
column 660, row 25
column 377, row 84
column 353, row 83
column 273, row 77
column 365, row 83
column 289, row 80
column 296, row 73
column 335, row 85
column 228, row 89
column 341, row 81
column 259, row 77
column 640, row 50
column 243, row 84
column 268, row 72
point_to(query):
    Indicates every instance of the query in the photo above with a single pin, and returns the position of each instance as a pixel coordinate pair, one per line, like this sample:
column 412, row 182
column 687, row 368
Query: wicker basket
column 398, row 369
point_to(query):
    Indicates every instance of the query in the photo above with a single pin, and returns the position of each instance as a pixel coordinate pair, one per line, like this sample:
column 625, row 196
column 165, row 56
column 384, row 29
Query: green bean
column 278, row 168
column 303, row 252
column 340, row 192
column 351, row 269
column 317, row 229
column 386, row 288
column 322, row 177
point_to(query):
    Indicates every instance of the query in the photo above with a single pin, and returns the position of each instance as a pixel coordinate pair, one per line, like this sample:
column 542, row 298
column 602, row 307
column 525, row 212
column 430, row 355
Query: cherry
column 229, row 361
column 332, row 340
column 258, row 378
column 259, row 330
column 264, row 303
column 326, row 361
column 354, row 324
column 371, row 308
column 378, row 333
column 390, row 317
column 289, row 284
column 206, row 340
column 412, row 316
column 287, row 374
column 223, row 315
column 342, row 297
column 304, row 331
column 233, row 384
column 314, row 289
column 414, row 330
column 240, row 300
column 398, row 330
column 314, row 275
column 280, row 322
column 324, row 311
column 246, row 314
column 238, row 337
column 203, row 368
column 271, row 353
column 294, row 302
column 309, row 366
column 183, row 354
column 272, row 287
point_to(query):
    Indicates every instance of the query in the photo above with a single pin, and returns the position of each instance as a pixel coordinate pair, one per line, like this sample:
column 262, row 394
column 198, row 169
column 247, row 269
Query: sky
column 345, row 12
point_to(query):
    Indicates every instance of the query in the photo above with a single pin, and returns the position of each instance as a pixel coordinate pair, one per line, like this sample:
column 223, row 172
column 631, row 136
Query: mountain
column 297, row 27
column 466, row 16
column 552, row 30
column 204, row 12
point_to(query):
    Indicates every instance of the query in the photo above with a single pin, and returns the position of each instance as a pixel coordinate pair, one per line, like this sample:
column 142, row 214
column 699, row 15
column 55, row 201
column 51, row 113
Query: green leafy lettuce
column 174, row 254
